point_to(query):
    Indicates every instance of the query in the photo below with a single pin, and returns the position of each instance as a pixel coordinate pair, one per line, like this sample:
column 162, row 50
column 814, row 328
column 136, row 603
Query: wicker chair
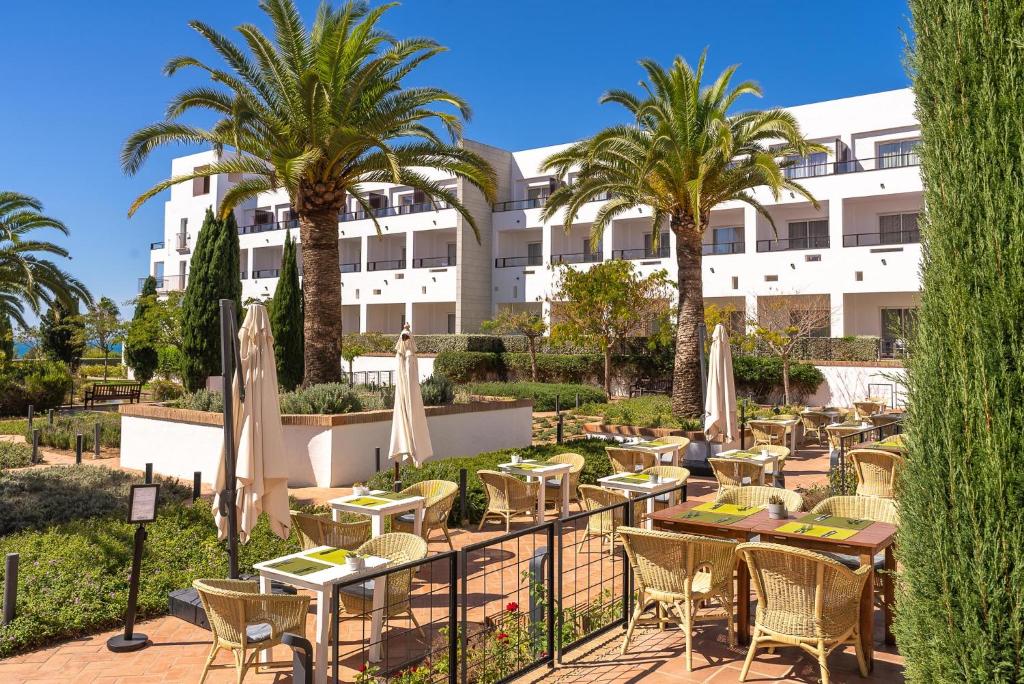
column 731, row 473
column 246, row 622
column 317, row 530
column 677, row 473
column 835, row 433
column 865, row 507
column 604, row 525
column 883, row 419
column 439, row 497
column 804, row 599
column 397, row 547
column 683, row 443
column 676, row 572
column 867, row 408
column 506, row 496
column 814, row 423
column 758, row 496
column 626, row 460
column 767, row 432
column 877, row 471
column 553, row 486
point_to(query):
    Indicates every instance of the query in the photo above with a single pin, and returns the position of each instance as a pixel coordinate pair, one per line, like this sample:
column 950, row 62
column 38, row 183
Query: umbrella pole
column 398, row 476
column 228, row 321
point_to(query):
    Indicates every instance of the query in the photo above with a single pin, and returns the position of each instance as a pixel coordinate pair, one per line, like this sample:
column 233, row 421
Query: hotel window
column 897, row 326
column 534, row 254
column 662, row 250
column 201, row 185
column 537, row 192
column 726, row 240
column 800, row 317
column 451, row 324
column 900, row 153
column 808, row 234
column 592, row 254
column 452, row 251
column 897, row 229
column 815, row 164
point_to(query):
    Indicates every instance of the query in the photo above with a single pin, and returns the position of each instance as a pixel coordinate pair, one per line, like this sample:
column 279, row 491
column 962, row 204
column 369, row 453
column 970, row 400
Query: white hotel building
column 858, row 254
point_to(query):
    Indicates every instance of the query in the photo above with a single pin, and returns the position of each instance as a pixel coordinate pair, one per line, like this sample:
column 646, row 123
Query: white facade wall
column 404, row 272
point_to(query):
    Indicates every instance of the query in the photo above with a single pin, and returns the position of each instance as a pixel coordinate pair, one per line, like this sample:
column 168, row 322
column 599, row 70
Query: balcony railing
column 577, row 258
column 351, row 268
column 898, row 237
column 724, row 248
column 830, row 168
column 167, row 283
column 641, row 253
column 386, row 265
column 265, row 227
column 266, row 273
column 433, row 262
column 787, row 244
column 507, row 262
column 156, row 245
column 243, row 275
column 537, row 202
column 397, row 210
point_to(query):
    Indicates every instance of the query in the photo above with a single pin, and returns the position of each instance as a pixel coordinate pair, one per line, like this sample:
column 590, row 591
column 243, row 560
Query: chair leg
column 239, row 665
column 209, row 661
column 750, row 655
column 730, row 619
column 483, row 519
column 447, row 537
column 687, row 612
column 637, row 612
column 822, row 663
column 858, row 648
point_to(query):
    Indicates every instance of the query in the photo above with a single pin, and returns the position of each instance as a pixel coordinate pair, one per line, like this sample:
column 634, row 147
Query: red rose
column 502, row 636
column 362, row 668
column 512, row 607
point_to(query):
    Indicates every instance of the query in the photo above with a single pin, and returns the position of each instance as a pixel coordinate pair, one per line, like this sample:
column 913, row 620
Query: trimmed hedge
column 470, row 366
column 63, row 432
column 42, row 384
column 597, row 465
column 835, row 349
column 650, row 411
column 542, row 393
column 463, row 367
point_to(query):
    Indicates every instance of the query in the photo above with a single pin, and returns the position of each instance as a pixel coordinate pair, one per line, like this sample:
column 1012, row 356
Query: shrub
column 597, row 465
column 761, row 377
column 437, row 390
column 650, row 411
column 42, row 384
column 570, row 368
column 466, row 366
column 62, row 434
column 14, row 455
column 543, row 394
column 334, row 397
column 165, row 390
column 169, row 362
column 95, row 370
column 14, row 426
column 203, row 400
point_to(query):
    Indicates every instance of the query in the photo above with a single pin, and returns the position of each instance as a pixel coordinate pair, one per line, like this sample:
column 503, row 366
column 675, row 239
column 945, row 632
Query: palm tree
column 319, row 113
column 29, row 280
column 683, row 154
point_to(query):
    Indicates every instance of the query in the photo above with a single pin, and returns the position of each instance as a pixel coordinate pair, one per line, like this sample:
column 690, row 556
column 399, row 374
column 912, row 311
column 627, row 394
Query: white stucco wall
column 846, row 384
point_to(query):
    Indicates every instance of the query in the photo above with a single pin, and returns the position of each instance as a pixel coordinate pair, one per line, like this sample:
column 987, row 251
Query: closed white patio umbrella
column 720, row 404
column 261, row 471
column 410, row 437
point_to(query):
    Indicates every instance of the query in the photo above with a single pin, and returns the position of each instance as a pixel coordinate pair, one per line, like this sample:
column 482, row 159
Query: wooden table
column 542, row 471
column 635, row 488
column 659, row 449
column 321, row 583
column 878, row 537
column 379, row 512
column 741, row 530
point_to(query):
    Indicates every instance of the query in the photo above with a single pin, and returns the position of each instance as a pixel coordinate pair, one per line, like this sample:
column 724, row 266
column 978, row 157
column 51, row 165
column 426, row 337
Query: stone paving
column 179, row 649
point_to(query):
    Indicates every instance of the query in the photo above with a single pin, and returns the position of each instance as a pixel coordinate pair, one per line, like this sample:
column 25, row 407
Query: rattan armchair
column 553, row 486
column 316, row 530
column 674, row 573
column 439, row 497
column 868, row 508
column 506, row 496
column 603, row 525
column 767, row 432
column 758, row 496
column 246, row 622
column 682, row 442
column 398, row 548
column 677, row 473
column 732, row 473
column 814, row 423
column 626, row 460
column 804, row 599
column 835, row 434
column 867, row 408
column 877, row 471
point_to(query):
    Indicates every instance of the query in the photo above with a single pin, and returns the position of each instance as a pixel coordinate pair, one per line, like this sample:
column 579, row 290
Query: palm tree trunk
column 321, row 285
column 686, row 389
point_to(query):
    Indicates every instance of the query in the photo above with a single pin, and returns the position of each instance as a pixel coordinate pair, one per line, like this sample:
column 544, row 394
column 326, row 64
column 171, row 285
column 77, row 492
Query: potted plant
column 354, row 562
column 359, row 489
column 777, row 508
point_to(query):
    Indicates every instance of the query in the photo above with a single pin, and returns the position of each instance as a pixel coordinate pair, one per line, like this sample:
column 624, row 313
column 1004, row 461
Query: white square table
column 791, row 425
column 755, row 457
column 660, row 450
column 633, row 486
column 321, row 583
column 393, row 506
column 542, row 471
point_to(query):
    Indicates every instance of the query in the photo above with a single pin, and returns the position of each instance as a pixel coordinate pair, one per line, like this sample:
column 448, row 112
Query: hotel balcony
column 713, row 249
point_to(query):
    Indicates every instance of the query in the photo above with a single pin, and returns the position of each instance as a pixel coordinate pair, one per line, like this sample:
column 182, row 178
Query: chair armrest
column 282, row 612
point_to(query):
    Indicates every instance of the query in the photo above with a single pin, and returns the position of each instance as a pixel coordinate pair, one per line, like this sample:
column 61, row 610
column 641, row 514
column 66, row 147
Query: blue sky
column 79, row 77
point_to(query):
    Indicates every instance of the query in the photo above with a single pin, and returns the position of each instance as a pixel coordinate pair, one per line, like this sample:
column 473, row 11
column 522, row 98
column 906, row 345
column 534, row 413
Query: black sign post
column 141, row 509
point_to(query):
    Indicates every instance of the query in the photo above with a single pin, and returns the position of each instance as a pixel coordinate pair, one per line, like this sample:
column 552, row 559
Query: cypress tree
column 214, row 276
column 286, row 319
column 141, row 354
column 960, row 613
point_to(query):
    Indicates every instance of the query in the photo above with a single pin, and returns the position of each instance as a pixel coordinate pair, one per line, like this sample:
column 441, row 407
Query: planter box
column 322, row 450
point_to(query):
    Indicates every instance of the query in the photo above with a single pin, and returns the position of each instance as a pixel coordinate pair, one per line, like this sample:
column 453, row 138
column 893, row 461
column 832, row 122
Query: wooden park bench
column 650, row 386
column 118, row 391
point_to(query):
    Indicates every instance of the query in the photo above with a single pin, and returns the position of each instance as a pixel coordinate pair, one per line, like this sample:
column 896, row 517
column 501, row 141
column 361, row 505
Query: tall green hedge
column 142, row 356
column 960, row 615
column 286, row 320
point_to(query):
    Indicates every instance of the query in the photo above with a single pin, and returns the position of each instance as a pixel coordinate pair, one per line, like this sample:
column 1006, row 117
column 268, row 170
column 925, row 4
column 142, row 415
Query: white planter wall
column 846, row 384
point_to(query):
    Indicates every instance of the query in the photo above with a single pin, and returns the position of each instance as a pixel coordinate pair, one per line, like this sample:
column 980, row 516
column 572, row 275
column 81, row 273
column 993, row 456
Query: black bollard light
column 78, row 448
column 35, row 445
column 197, row 485
column 10, row 587
column 149, row 473
column 96, row 430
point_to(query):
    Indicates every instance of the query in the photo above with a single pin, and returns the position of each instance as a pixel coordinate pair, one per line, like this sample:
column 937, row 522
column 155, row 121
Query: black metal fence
column 494, row 610
column 841, row 475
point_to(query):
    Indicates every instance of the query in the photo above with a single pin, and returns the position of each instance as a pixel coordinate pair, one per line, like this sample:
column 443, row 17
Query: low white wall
column 322, row 451
column 849, row 383
column 387, row 363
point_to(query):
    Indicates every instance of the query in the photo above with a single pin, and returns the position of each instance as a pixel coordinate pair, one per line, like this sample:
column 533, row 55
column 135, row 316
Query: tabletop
column 637, row 482
column 746, row 455
column 321, row 566
column 724, row 525
column 376, row 502
column 532, row 468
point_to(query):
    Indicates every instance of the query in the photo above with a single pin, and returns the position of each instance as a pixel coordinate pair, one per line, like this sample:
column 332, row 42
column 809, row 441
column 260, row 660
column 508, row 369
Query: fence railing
column 506, row 262
column 494, row 610
column 433, row 262
column 787, row 244
column 578, row 258
column 381, row 378
column 398, row 210
column 386, row 265
column 876, row 239
column 711, row 249
column 641, row 253
column 841, row 474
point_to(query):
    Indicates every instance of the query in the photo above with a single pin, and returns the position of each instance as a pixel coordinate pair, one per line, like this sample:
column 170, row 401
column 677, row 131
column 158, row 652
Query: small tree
column 6, row 339
column 141, row 339
column 103, row 327
column 62, row 335
column 734, row 321
column 286, row 320
column 782, row 324
column 512, row 322
column 608, row 303
column 351, row 349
